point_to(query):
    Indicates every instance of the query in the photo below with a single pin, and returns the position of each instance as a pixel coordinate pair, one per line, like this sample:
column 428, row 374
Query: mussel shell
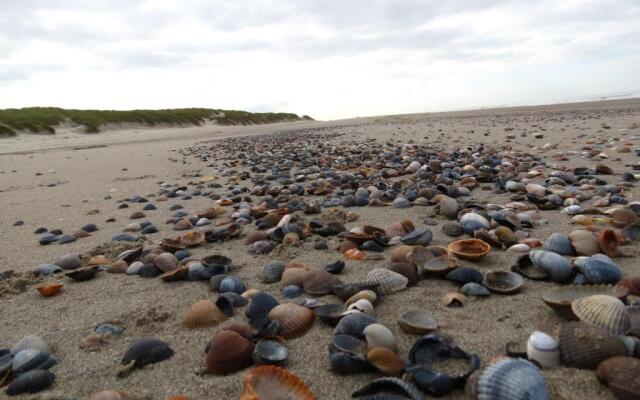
column 556, row 266
column 31, row 382
column 346, row 363
column 388, row 386
column 474, row 289
column 421, row 236
column 330, row 313
column 147, row 351
column 232, row 284
column 354, row 325
column 586, row 346
column 83, row 274
column 465, row 275
column 599, row 270
column 270, row 352
column 512, row 379
column 27, row 360
column 525, row 267
column 347, row 344
column 259, row 307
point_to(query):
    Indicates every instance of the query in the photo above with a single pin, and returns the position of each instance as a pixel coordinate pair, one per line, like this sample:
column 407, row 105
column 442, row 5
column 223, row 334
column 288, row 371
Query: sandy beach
column 70, row 179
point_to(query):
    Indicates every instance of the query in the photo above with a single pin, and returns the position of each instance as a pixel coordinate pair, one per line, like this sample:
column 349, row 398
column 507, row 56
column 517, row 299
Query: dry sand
column 132, row 162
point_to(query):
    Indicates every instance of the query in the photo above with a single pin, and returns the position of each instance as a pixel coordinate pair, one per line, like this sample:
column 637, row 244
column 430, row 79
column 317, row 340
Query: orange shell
column 355, row 254
column 203, row 313
column 469, row 249
column 49, row 289
column 269, row 382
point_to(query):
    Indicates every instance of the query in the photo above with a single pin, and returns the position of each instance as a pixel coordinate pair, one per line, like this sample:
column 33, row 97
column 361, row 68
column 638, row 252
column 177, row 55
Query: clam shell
column 474, row 289
column 469, row 249
column 354, row 325
column 560, row 299
column 378, row 335
column 386, row 361
column 272, row 272
column 600, row 269
column 384, row 388
column 390, row 282
column 608, row 242
column 556, row 266
column 407, row 270
column 345, row 291
column 231, row 284
column 472, row 222
column 603, row 311
column 293, row 276
column 294, row 320
column 449, row 207
column 369, row 295
column 319, row 282
column 259, row 308
column 29, row 359
column 453, row 229
column 620, row 374
column 503, row 282
column 270, row 352
column 465, row 275
column 170, row 244
column 364, row 306
column 269, row 382
column 31, row 382
column 543, row 349
column 585, row 346
column 400, row 229
column 417, row 323
column 632, row 283
column 203, row 313
column 177, row 274
column 584, row 242
column 421, row 236
column 345, row 363
column 255, row 236
column 166, row 262
column 401, row 253
column 229, row 352
column 330, row 313
column 559, row 243
column 147, row 351
column 511, row 379
column 193, row 238
column 50, row 289
column 454, row 299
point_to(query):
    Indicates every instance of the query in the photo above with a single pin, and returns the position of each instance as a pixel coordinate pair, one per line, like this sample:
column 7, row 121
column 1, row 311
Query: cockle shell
column 620, row 374
column 387, row 388
column 556, row 266
column 400, row 229
column 631, row 282
column 319, row 282
column 603, row 311
column 543, row 349
column 378, row 335
column 386, row 361
column 560, row 299
column 608, row 242
column 585, row 346
column 559, row 243
column 469, row 249
column 193, row 238
column 293, row 276
column 390, row 282
column 229, row 352
column 166, row 262
column 511, row 379
column 584, row 242
column 503, row 282
column 454, row 299
column 294, row 320
column 203, row 313
column 270, row 382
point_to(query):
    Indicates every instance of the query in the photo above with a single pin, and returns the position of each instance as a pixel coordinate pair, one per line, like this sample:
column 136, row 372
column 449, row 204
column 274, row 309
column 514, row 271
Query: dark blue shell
column 31, row 382
column 147, row 351
column 465, row 275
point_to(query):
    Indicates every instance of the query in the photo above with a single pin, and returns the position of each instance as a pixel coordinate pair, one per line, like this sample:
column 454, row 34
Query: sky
column 329, row 59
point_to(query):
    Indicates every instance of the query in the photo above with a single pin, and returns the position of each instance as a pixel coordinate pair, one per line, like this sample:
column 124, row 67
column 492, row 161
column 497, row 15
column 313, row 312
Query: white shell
column 519, row 248
column 543, row 349
column 364, row 306
column 471, row 216
column 378, row 335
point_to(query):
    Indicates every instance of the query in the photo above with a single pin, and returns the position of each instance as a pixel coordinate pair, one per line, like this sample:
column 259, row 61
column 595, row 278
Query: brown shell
column 606, row 312
column 182, row 225
column 469, row 249
column 193, row 238
column 270, row 382
column 608, row 242
column 347, row 245
column 293, row 276
column 585, row 346
column 117, row 267
column 454, row 299
column 503, row 282
column 255, row 236
column 355, row 254
column 560, row 299
column 407, row 270
column 98, row 260
column 386, row 361
column 50, row 289
column 203, row 313
column 487, row 237
column 319, row 282
column 79, row 234
column 229, row 352
column 178, row 274
column 294, row 320
column 621, row 374
column 624, row 216
column 357, row 238
column 399, row 229
column 241, row 328
column 210, row 213
column 369, row 295
column 166, row 262
column 401, row 253
column 505, row 235
column 172, row 244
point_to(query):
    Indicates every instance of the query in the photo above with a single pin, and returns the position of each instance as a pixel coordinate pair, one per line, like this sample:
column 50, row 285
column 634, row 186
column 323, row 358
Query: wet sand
column 129, row 162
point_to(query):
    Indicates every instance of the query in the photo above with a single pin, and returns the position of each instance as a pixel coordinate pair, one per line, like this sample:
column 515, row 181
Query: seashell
column 193, row 238
column 292, row 291
column 488, row 237
column 293, row 276
column 448, row 207
column 50, row 289
column 364, row 306
column 417, row 323
column 555, row 266
column 224, row 303
column 240, row 328
column 229, row 352
column 259, row 307
column 421, row 236
column 584, row 242
column 178, row 274
column 620, row 374
column 261, row 247
column 385, row 388
column 83, row 274
column 400, row 229
column 472, row 222
column 559, row 243
column 543, row 349
column 390, row 282
column 294, row 320
column 608, row 242
column 407, row 270
column 603, row 311
column 519, row 248
column 599, row 269
column 182, row 225
column 453, row 229
column 255, row 236
column 172, row 245
column 585, row 346
column 632, row 283
column 330, row 313
column 32, row 342
column 465, row 275
column 354, row 325
column 98, row 260
column 454, row 299
column 31, row 382
column 474, row 289
column 401, row 253
column 355, row 254
column 469, row 249
column 505, row 235
column 346, row 246
column 513, row 379
column 117, row 267
column 166, row 262
column 231, row 284
column 30, row 359
column 146, row 351
column 319, row 282
column 270, row 352
column 346, row 291
column 560, row 299
column 386, row 361
column 269, row 382
column 203, row 313
column 369, row 295
column 632, row 232
column 623, row 217
column 69, row 261
column 503, row 282
column 378, row 335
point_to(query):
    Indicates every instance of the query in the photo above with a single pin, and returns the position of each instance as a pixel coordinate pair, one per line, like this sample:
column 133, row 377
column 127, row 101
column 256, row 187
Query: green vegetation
column 45, row 119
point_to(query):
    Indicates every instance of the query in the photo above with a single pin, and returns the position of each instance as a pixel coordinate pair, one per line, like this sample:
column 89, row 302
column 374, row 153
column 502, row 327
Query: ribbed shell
column 294, row 320
column 511, row 379
column 585, row 346
column 469, row 249
column 388, row 386
column 270, row 382
column 584, row 242
column 556, row 266
column 603, row 311
column 399, row 229
column 319, row 282
column 560, row 299
column 621, row 374
column 229, row 352
column 203, row 313
column 390, row 282
column 559, row 243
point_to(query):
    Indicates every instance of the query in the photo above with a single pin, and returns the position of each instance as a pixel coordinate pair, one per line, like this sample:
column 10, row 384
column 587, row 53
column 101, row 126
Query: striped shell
column 399, row 229
column 203, row 313
column 389, row 281
column 269, row 382
column 511, row 379
column 585, row 346
column 319, row 282
column 584, row 242
column 469, row 249
column 560, row 299
column 294, row 320
column 603, row 311
column 620, row 374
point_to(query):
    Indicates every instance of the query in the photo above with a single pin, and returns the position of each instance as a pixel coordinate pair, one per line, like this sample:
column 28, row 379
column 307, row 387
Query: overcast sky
column 328, row 59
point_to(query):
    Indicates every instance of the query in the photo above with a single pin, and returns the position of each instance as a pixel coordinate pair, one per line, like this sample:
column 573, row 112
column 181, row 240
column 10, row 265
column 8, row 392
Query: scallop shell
column 50, row 289
column 385, row 388
column 543, row 349
column 503, row 282
column 620, row 374
column 319, row 282
column 584, row 242
column 560, row 299
column 229, row 352
column 469, row 249
column 585, row 346
column 269, row 382
column 203, row 313
column 559, row 243
column 399, row 229
column 390, row 282
column 294, row 320
column 386, row 361
column 608, row 242
column 378, row 335
column 511, row 379
column 417, row 323
column 603, row 311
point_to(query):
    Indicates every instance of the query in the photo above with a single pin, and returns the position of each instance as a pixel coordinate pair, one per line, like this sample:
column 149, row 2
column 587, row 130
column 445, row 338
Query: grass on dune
column 45, row 119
